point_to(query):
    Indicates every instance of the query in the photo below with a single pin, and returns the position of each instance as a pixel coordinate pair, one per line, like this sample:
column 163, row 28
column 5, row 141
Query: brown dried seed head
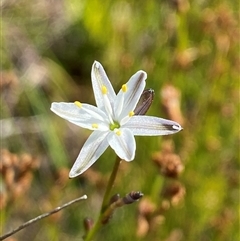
column 146, row 207
column 184, row 58
column 15, row 160
column 179, row 196
column 157, row 221
column 171, row 101
column 21, row 185
column 165, row 205
column 9, row 177
column 142, row 226
column 3, row 200
column 169, row 163
column 17, row 173
column 8, row 80
column 175, row 192
column 25, row 162
column 6, row 159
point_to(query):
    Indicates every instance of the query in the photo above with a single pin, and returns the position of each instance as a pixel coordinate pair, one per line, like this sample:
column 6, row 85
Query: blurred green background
column 190, row 51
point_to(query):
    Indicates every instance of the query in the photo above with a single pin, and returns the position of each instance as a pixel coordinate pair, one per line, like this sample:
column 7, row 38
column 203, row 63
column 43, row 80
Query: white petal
column 152, row 126
column 100, row 79
column 84, row 117
column 93, row 148
column 124, row 144
column 135, row 87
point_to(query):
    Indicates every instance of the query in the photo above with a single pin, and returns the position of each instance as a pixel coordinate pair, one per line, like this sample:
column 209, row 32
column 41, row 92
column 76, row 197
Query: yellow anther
column 78, row 104
column 124, row 88
column 131, row 113
column 95, row 126
column 118, row 133
column 104, row 90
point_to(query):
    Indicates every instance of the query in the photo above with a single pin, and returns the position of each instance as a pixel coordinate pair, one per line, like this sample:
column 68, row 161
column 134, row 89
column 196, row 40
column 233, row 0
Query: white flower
column 113, row 121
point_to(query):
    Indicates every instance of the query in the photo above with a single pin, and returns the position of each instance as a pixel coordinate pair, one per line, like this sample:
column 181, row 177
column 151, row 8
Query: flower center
column 114, row 125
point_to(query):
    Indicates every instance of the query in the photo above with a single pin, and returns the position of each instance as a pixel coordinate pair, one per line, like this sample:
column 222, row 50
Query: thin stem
column 105, row 201
column 34, row 220
column 110, row 183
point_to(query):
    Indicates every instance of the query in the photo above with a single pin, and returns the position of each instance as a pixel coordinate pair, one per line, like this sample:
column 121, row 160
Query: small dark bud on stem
column 114, row 198
column 132, row 197
column 88, row 224
column 145, row 102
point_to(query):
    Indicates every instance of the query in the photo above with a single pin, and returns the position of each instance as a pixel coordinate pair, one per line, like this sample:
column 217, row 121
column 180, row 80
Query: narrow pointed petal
column 100, row 79
column 93, row 148
column 132, row 94
column 84, row 117
column 152, row 126
column 123, row 144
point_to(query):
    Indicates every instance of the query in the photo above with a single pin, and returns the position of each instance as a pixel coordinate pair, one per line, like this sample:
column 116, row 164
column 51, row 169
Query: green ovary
column 114, row 125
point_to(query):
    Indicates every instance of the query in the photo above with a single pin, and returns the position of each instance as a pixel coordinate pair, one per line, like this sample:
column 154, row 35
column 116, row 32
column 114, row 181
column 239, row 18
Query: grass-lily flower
column 113, row 121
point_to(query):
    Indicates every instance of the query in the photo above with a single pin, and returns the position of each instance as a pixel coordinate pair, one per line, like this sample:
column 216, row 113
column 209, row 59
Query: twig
column 30, row 222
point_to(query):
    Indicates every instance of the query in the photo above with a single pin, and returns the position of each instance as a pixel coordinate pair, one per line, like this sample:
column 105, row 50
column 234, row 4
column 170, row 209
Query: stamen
column 104, row 90
column 125, row 119
column 107, row 104
column 118, row 132
column 78, row 104
column 131, row 113
column 124, row 88
column 95, row 125
column 119, row 105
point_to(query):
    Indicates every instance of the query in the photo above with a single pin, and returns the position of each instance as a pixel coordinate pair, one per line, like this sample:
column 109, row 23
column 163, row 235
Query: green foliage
column 47, row 52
